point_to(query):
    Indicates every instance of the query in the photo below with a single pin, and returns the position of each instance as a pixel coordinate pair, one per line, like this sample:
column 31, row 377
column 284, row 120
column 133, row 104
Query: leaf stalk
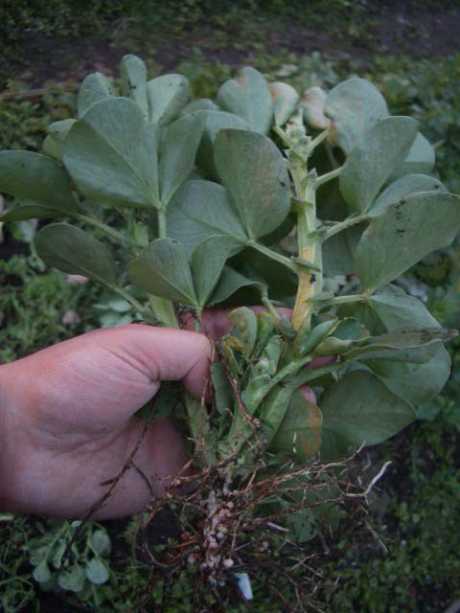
column 344, row 225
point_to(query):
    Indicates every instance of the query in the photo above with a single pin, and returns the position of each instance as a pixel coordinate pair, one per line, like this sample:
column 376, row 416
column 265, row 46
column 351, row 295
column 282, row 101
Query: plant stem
column 132, row 301
column 163, row 309
column 274, row 255
column 343, row 225
column 162, row 223
column 318, row 140
column 268, row 304
column 328, row 176
column 349, row 299
column 113, row 234
column 308, row 242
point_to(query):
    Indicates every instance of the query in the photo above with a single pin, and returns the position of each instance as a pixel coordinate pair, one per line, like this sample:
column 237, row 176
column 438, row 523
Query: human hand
column 67, row 422
column 67, row 425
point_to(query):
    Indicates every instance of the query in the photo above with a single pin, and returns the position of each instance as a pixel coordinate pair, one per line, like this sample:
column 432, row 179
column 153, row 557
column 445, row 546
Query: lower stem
column 309, row 247
column 162, row 307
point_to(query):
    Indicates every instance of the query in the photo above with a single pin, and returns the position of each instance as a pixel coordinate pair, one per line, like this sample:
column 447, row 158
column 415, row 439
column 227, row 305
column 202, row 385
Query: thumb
column 106, row 375
column 169, row 354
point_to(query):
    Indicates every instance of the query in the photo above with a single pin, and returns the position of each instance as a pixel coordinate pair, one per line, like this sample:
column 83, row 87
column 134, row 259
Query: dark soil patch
column 396, row 28
column 57, row 59
column 11, row 247
column 419, row 33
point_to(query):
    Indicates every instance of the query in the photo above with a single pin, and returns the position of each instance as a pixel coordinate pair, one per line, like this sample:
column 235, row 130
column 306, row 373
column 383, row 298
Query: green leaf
column 38, row 554
column 255, row 174
column 200, row 210
column 272, row 409
column 51, row 148
column 200, row 104
column 42, row 573
column 97, row 572
column 214, row 121
column 421, row 158
column 249, row 97
column 357, row 410
column 112, row 155
column 354, row 106
column 94, row 88
column 309, row 338
column 223, row 394
column 285, row 99
column 163, row 270
column 302, row 524
column 57, row 133
column 59, row 129
column 208, row 261
column 244, row 328
column 134, row 81
column 393, row 310
column 397, row 341
column 30, row 211
column 37, row 178
column 230, row 282
column 415, row 383
column 58, row 553
column 167, row 96
column 100, row 541
column 403, row 187
column 179, row 144
column 397, row 310
column 75, row 252
column 73, row 579
column 405, row 233
column 299, row 434
column 372, row 162
column 338, row 251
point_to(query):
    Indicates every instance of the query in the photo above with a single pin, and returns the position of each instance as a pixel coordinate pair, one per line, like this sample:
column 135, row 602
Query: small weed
column 33, row 307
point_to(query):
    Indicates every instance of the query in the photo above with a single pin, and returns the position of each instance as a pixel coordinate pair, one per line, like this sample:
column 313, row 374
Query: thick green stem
column 308, row 243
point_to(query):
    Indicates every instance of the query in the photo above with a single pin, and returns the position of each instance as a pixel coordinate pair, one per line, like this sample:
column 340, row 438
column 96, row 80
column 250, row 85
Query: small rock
column 76, row 279
column 70, row 318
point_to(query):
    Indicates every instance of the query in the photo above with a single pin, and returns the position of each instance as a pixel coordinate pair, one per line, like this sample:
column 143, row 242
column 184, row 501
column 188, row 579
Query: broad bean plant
column 316, row 202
